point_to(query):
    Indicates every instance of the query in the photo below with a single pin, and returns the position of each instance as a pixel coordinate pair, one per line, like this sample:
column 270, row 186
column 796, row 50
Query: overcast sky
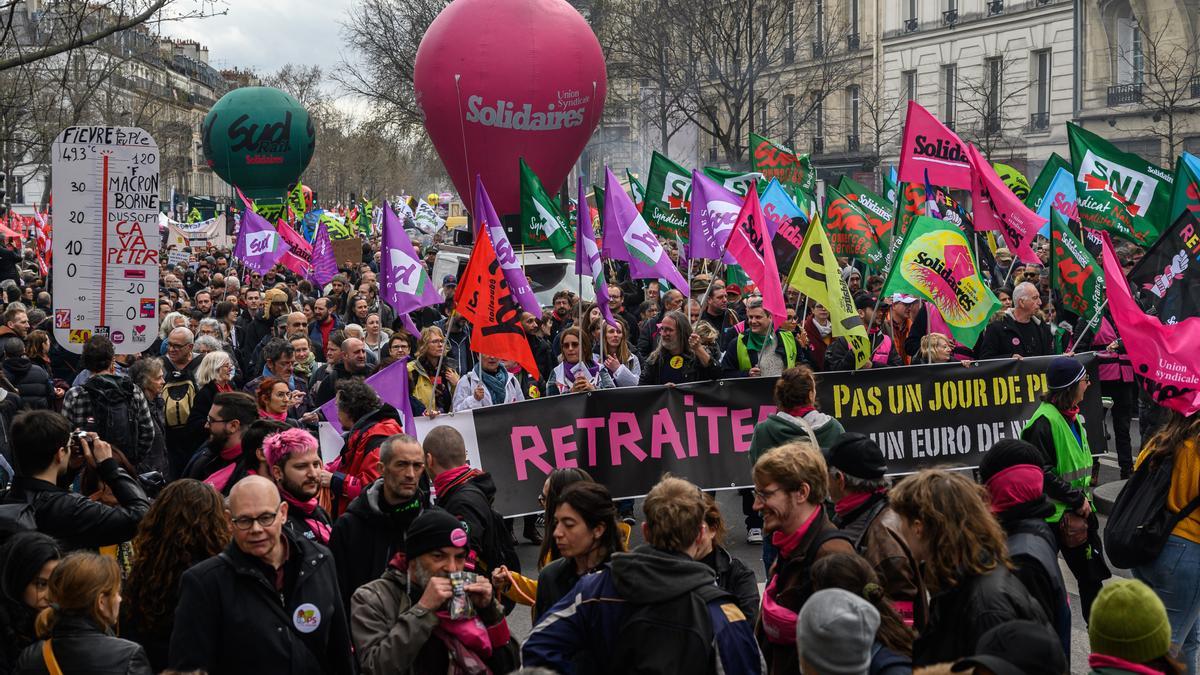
column 263, row 35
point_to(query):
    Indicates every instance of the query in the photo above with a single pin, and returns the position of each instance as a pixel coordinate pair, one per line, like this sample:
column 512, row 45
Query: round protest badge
column 1016, row 341
column 676, row 362
column 307, row 618
column 533, row 391
column 458, row 537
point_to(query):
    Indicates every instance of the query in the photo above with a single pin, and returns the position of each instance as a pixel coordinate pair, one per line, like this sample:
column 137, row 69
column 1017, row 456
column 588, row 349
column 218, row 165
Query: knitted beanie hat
column 1129, row 622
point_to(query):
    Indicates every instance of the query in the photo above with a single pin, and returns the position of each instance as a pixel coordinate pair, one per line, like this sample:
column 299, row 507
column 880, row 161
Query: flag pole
column 437, row 373
column 1088, row 326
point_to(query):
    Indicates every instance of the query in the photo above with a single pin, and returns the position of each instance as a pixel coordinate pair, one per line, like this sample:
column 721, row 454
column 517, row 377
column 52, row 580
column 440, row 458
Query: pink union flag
column 930, row 146
column 997, row 208
column 750, row 245
column 1164, row 357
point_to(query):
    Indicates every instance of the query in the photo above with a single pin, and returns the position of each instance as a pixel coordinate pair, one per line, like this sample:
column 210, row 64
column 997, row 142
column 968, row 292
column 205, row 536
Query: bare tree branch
column 82, row 40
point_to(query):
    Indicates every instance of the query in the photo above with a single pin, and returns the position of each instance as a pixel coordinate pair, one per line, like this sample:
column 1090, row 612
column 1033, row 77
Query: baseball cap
column 449, row 280
column 903, row 297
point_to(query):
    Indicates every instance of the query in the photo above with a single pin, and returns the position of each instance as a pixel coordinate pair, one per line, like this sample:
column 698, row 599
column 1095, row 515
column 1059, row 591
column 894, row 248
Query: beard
column 670, row 344
column 303, row 491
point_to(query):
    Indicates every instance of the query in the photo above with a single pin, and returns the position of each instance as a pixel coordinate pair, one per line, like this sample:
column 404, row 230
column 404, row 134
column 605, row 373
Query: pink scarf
column 1106, row 661
column 1070, row 413
column 220, row 478
column 1015, row 485
column 447, row 479
column 854, row 500
column 268, row 415
column 800, row 411
column 786, row 543
column 319, row 529
column 231, row 453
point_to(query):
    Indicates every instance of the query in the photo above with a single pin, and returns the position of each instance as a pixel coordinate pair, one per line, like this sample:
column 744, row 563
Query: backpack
column 1140, row 522
column 671, row 637
column 115, row 420
column 178, row 396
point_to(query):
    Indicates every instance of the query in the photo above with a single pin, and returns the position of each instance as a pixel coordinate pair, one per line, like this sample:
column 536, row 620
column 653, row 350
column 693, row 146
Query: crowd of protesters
column 171, row 510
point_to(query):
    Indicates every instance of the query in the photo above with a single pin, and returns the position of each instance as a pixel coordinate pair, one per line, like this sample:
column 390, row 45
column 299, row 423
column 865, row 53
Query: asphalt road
column 751, row 555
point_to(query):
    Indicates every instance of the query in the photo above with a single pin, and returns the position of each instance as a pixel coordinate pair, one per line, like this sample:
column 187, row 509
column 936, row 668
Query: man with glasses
column 231, row 413
column 1021, row 331
column 267, row 604
column 179, row 393
column 372, row 530
column 280, row 358
column 790, row 484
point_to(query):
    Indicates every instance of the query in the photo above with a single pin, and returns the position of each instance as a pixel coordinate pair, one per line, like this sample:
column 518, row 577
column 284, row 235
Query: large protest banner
column 922, row 416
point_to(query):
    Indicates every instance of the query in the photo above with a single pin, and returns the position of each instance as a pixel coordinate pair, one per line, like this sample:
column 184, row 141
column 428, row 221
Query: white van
column 547, row 274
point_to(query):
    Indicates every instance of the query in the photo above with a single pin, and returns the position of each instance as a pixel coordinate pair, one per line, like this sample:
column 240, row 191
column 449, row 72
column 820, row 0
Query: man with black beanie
column 1012, row 472
column 858, row 488
column 408, row 620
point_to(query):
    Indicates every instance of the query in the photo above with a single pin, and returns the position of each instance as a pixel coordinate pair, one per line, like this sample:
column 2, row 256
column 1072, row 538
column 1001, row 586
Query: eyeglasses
column 764, row 495
column 175, row 345
column 264, row 520
column 213, row 420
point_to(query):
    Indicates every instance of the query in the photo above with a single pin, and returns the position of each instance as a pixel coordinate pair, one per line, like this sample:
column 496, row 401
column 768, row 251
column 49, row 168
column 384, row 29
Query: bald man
column 297, row 324
column 268, row 603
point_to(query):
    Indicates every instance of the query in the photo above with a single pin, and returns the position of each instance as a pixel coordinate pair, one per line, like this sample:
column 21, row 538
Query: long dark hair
column 595, row 505
column 185, row 524
column 851, row 572
column 558, row 480
column 21, row 558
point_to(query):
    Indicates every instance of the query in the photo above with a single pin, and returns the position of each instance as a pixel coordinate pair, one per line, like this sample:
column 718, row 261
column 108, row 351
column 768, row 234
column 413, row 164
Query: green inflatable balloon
column 259, row 139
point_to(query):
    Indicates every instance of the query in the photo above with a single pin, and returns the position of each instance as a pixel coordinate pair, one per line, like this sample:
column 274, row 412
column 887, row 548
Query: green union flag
column 668, row 193
column 935, row 263
column 877, row 209
column 1118, row 191
column 737, row 182
column 777, row 161
column 635, row 187
column 850, row 233
column 1186, row 196
column 542, row 223
column 1075, row 274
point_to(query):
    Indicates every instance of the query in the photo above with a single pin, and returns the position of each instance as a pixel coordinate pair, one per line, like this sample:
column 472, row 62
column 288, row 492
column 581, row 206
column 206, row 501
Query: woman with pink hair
column 295, row 465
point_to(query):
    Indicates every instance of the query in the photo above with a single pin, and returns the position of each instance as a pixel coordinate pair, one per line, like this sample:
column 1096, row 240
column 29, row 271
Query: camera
column 75, row 442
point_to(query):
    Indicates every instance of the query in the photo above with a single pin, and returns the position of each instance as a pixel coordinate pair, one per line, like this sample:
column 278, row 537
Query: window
column 762, row 116
column 819, row 119
column 912, row 9
column 993, row 70
column 909, row 80
column 1041, row 82
column 819, row 23
column 789, row 116
column 790, row 48
column 1128, row 54
column 852, row 108
column 853, row 17
column 949, row 92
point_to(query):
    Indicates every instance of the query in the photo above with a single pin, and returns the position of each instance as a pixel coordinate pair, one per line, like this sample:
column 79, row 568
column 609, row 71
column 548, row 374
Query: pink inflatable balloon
column 502, row 79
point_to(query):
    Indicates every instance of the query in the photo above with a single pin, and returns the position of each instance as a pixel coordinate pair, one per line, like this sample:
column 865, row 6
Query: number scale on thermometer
column 106, row 238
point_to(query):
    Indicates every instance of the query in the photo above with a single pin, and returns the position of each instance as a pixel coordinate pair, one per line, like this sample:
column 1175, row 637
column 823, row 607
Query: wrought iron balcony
column 818, row 49
column 852, row 41
column 995, row 7
column 818, row 145
column 1195, row 85
column 1039, row 121
column 911, row 25
column 1121, row 94
column 852, row 143
column 950, row 17
column 789, row 54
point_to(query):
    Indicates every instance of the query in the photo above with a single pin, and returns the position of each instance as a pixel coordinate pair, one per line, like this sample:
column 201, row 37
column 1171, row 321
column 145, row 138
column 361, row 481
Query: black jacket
column 77, row 521
column 1001, row 339
column 231, row 620
column 1042, row 438
column 1034, row 552
column 839, row 356
column 735, row 577
column 80, row 646
column 470, row 500
column 959, row 615
column 366, row 537
column 693, row 371
column 32, row 382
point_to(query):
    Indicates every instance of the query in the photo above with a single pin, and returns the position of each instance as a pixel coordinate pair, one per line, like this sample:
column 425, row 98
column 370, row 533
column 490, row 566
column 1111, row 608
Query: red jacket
column 358, row 464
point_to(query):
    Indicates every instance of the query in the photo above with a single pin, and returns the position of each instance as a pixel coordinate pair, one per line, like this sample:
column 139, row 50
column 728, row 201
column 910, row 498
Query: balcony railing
column 1039, row 121
column 1121, row 94
column 949, row 124
column 950, row 17
column 852, row 143
column 852, row 42
column 789, row 54
column 1195, row 85
column 911, row 25
column 818, row 145
column 991, row 123
column 712, row 154
column 995, row 7
column 818, row 49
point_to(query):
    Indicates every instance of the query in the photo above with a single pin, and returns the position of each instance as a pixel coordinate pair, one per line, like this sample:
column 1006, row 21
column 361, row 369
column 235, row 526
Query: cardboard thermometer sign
column 106, row 241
